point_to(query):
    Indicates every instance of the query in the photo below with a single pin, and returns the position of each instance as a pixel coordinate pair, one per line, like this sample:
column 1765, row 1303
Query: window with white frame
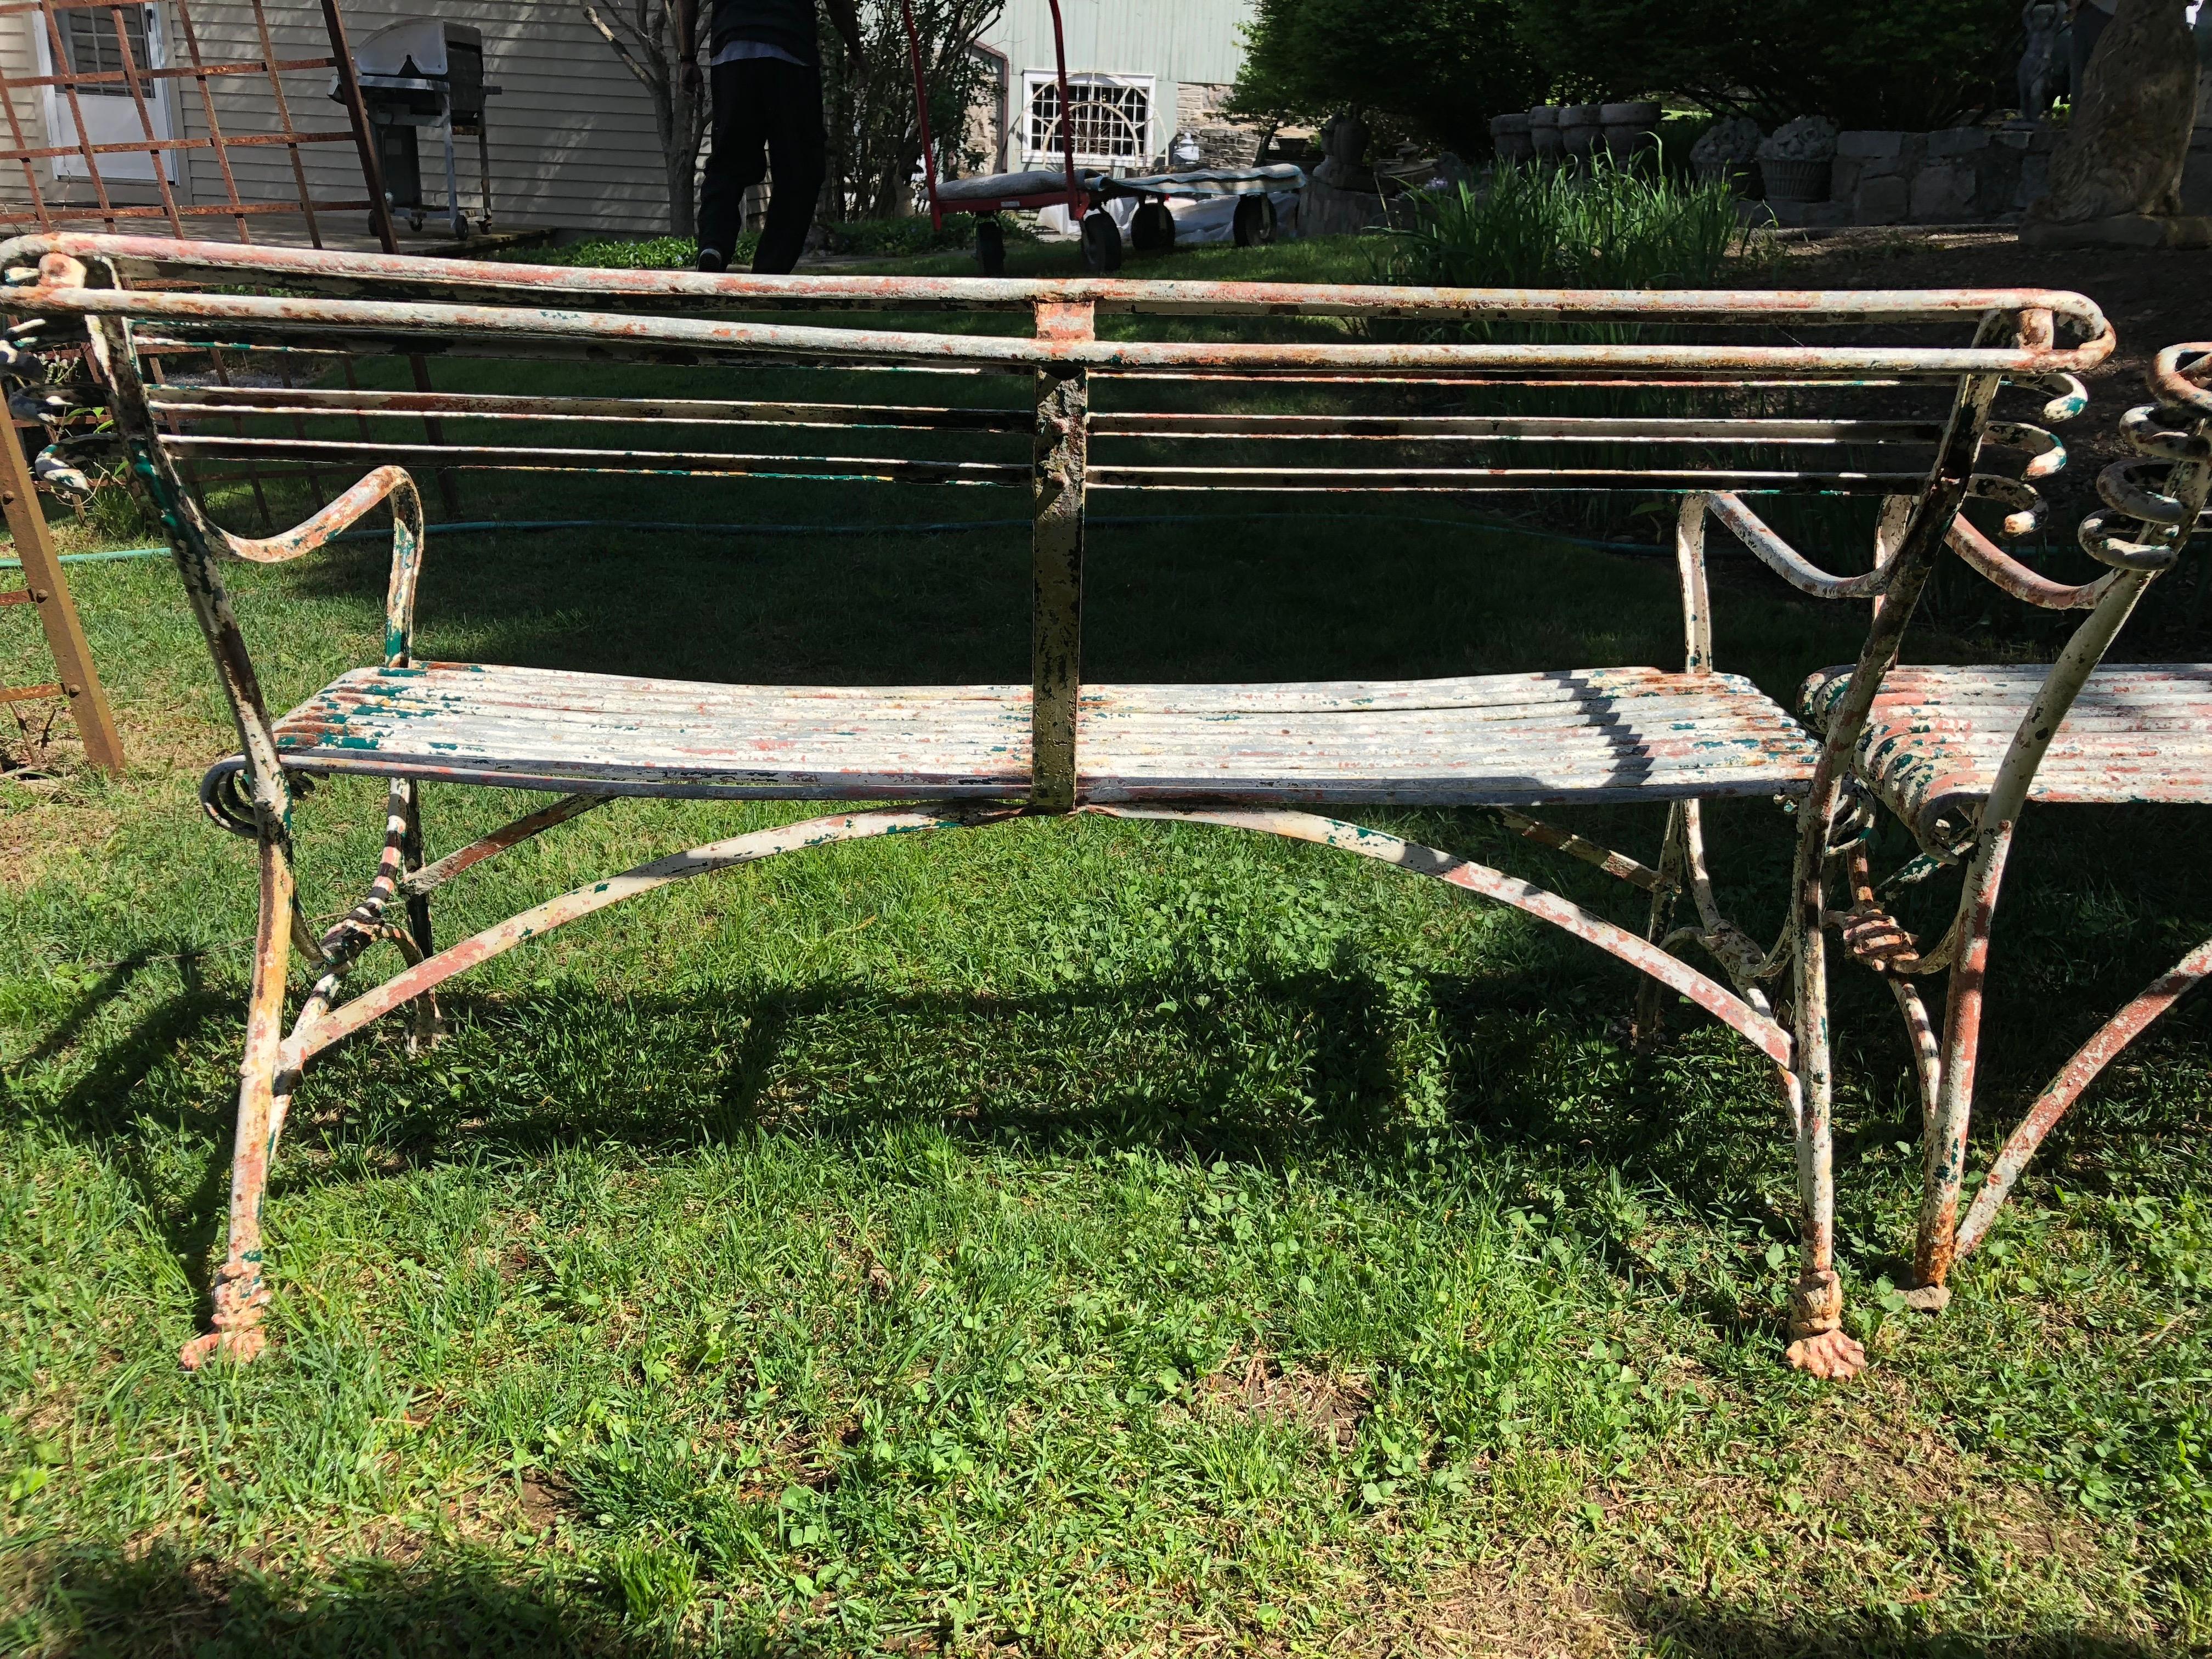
column 1112, row 118
column 89, row 34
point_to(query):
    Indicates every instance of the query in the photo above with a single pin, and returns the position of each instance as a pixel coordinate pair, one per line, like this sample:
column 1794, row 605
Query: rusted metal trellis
column 127, row 97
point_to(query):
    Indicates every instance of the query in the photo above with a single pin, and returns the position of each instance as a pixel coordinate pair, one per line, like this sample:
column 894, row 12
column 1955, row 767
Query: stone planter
column 1630, row 128
column 1509, row 136
column 1579, row 128
column 1797, row 181
column 1544, row 132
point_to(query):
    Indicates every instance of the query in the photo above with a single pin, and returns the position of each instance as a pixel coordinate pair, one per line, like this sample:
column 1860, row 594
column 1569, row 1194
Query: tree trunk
column 2117, row 176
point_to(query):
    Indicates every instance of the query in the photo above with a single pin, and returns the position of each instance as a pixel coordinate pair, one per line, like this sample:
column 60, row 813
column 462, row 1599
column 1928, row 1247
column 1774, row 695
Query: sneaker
column 711, row 260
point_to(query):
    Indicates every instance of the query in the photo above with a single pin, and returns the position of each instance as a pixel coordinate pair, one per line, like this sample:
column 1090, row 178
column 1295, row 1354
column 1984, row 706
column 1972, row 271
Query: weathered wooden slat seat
column 2138, row 732
column 1509, row 739
column 1714, row 398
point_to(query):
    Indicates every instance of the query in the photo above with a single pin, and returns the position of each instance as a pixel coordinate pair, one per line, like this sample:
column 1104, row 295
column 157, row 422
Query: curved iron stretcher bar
column 522, row 323
column 311, row 1036
column 1755, row 1028
column 1844, row 307
column 2072, row 1081
column 317, row 1030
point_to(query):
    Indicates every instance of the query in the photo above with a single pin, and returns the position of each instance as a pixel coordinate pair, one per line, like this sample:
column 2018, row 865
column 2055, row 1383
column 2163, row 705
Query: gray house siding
column 572, row 136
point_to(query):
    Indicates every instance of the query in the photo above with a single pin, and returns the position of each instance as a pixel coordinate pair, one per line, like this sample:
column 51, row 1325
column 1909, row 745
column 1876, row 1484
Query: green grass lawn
column 1066, row 1238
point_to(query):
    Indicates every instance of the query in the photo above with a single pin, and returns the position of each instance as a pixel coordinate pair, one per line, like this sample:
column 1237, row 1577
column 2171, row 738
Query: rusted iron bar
column 350, row 1016
column 2088, row 1064
column 241, row 1293
column 518, row 323
column 1786, row 563
column 1575, row 847
column 1820, row 1345
column 431, row 877
column 1058, row 485
column 1840, row 308
column 171, row 72
column 1757, row 1029
column 642, row 411
column 1453, row 480
column 892, row 469
column 889, row 469
column 2017, row 580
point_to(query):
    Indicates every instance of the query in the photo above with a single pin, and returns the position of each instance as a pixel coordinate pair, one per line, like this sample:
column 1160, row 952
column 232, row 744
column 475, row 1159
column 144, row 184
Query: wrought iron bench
column 1570, row 390
column 1957, row 753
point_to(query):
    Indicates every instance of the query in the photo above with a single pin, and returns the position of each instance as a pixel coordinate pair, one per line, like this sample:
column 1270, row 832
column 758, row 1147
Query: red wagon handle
column 1075, row 201
column 922, row 114
column 1066, row 105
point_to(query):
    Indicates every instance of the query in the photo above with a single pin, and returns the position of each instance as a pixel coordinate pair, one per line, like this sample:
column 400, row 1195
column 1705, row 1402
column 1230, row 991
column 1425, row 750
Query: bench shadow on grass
column 96, row 1108
column 164, row 1602
column 1304, row 1067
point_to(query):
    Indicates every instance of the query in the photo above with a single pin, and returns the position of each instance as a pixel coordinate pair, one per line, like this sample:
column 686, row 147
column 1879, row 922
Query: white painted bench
column 1458, row 418
column 1957, row 753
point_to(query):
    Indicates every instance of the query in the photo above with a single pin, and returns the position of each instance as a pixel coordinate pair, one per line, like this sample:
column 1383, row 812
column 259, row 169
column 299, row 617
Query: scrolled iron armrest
column 2189, row 387
column 2069, row 396
column 2150, row 432
column 2027, row 506
column 1999, row 567
column 1787, row 562
column 2046, row 454
column 340, row 515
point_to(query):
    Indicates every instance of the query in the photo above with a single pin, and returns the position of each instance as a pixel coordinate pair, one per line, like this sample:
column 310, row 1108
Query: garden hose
column 485, row 526
column 482, row 527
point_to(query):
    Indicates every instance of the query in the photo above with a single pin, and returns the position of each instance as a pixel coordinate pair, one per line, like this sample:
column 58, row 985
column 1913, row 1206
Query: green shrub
column 1610, row 227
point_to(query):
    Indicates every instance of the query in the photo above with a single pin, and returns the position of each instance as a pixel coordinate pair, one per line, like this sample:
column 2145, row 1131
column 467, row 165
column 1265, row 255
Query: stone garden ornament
column 2116, row 180
column 2042, row 62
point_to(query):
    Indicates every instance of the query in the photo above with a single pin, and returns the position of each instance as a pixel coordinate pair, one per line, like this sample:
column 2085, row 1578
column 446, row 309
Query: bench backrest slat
column 1197, row 386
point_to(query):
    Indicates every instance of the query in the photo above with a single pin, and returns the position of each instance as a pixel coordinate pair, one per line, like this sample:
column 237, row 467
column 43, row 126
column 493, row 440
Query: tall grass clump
column 1598, row 226
column 1602, row 227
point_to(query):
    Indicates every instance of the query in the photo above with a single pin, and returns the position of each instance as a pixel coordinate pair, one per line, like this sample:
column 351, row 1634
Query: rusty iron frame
column 2013, row 340
column 2152, row 508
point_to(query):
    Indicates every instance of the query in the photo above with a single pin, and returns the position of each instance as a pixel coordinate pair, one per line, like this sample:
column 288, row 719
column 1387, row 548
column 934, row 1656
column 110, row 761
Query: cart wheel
column 1153, row 230
column 991, row 246
column 1102, row 244
column 1255, row 222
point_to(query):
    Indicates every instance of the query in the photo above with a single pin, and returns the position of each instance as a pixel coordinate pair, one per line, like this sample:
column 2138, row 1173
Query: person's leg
column 742, row 101
column 798, row 157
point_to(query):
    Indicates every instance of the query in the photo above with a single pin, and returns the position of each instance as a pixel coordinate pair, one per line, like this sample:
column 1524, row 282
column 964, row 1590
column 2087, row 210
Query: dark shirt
column 786, row 23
